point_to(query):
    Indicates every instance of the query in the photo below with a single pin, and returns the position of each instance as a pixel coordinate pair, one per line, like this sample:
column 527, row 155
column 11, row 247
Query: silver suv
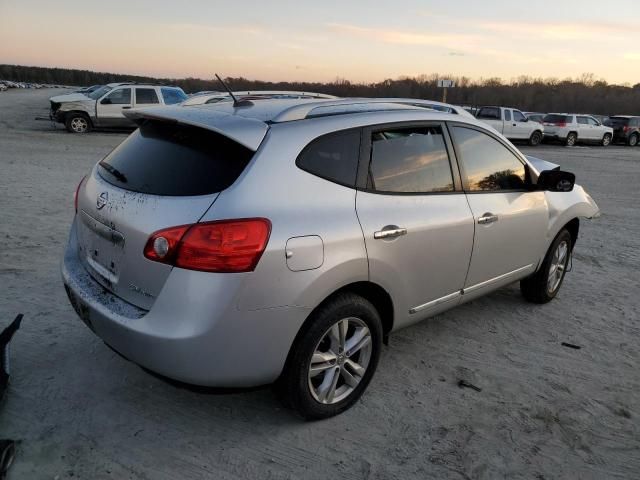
column 283, row 241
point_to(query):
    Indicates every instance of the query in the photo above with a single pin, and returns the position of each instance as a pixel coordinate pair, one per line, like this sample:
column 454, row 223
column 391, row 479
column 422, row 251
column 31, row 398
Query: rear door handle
column 390, row 231
column 487, row 218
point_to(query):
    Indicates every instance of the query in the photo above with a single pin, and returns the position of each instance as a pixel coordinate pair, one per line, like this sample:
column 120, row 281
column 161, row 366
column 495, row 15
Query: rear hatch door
column 164, row 175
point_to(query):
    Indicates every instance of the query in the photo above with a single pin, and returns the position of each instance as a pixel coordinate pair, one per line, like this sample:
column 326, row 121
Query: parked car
column 535, row 117
column 215, row 97
column 104, row 107
column 626, row 128
column 512, row 123
column 571, row 128
column 285, row 240
column 3, row 87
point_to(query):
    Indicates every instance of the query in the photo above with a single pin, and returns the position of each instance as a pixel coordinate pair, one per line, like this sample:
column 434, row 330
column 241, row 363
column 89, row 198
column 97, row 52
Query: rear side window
column 173, row 95
column 146, row 96
column 489, row 113
column 333, row 157
column 410, row 160
column 488, row 165
column 174, row 160
column 507, row 115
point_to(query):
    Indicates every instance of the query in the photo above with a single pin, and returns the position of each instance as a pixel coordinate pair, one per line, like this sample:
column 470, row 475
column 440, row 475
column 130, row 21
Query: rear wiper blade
column 114, row 171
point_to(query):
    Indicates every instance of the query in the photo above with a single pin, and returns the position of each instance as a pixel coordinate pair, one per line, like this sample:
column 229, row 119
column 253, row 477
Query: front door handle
column 390, row 231
column 487, row 218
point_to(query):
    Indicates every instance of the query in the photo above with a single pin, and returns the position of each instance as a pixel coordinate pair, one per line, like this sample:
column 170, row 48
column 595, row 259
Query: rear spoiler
column 248, row 132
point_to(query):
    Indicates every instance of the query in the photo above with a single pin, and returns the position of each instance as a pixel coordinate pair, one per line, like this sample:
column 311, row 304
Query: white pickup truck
column 512, row 123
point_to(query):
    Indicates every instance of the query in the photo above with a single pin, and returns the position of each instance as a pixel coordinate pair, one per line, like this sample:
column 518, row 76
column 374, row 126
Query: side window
column 507, row 115
column 333, row 157
column 410, row 160
column 489, row 113
column 592, row 121
column 172, row 95
column 635, row 122
column 121, row 96
column 488, row 164
column 518, row 116
column 583, row 121
column 146, row 96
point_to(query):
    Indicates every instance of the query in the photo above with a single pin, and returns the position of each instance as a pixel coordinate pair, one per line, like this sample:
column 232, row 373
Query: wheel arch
column 368, row 290
column 69, row 113
column 573, row 226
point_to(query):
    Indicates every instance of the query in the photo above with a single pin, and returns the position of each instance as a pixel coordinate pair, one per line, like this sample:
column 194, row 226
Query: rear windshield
column 166, row 159
column 552, row 118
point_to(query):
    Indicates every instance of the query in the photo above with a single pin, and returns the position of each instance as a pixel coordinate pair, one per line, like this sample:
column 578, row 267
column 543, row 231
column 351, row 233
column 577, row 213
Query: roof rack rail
column 305, row 110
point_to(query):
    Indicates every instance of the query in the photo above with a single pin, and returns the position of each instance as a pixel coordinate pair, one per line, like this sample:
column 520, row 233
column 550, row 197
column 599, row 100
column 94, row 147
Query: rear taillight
column 75, row 195
column 221, row 246
column 626, row 128
column 561, row 124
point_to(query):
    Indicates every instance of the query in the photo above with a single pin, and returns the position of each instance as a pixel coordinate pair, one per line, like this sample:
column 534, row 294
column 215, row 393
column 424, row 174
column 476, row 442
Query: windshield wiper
column 114, row 171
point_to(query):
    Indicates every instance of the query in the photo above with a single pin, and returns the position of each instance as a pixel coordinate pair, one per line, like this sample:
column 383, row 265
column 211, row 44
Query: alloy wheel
column 558, row 266
column 79, row 124
column 340, row 360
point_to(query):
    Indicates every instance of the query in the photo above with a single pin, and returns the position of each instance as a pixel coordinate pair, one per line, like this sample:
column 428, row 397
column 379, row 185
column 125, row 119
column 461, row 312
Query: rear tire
column 321, row 353
column 544, row 285
column 606, row 140
column 571, row 139
column 78, row 123
column 535, row 139
column 633, row 140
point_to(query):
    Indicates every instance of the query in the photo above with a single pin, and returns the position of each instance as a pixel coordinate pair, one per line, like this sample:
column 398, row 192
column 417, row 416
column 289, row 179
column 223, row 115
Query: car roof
column 247, row 124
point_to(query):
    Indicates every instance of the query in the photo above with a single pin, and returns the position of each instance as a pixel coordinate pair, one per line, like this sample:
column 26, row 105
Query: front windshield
column 96, row 94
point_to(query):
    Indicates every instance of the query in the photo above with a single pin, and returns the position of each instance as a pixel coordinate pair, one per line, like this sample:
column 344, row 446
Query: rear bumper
column 194, row 331
column 555, row 136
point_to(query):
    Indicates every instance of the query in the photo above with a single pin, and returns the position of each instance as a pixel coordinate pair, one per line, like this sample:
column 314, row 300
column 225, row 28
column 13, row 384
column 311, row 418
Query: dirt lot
column 545, row 411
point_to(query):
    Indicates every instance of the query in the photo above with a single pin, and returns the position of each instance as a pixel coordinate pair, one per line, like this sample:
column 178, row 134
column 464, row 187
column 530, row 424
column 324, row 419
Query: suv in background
column 571, row 128
column 105, row 107
column 625, row 129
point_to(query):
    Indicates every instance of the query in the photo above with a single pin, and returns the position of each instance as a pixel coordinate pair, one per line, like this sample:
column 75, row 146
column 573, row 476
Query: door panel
column 418, row 229
column 430, row 261
column 510, row 243
column 520, row 127
column 110, row 114
column 510, row 221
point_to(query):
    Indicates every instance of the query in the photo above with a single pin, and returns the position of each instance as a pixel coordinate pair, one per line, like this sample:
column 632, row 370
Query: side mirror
column 105, row 101
column 556, row 181
column 526, row 119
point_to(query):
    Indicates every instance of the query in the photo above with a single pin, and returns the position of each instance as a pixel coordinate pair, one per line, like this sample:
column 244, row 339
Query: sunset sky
column 323, row 40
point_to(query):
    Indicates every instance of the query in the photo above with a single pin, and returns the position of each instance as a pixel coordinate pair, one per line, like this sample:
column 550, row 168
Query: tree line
column 584, row 94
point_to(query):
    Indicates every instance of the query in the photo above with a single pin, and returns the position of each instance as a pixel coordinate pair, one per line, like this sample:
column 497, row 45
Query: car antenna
column 236, row 102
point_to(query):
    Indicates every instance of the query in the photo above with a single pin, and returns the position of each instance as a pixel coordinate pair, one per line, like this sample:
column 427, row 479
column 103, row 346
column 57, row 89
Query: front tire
column 78, row 123
column 543, row 286
column 606, row 140
column 571, row 139
column 333, row 358
column 535, row 139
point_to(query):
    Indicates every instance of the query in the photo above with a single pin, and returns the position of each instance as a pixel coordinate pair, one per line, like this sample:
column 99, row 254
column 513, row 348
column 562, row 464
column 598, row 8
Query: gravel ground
column 545, row 411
